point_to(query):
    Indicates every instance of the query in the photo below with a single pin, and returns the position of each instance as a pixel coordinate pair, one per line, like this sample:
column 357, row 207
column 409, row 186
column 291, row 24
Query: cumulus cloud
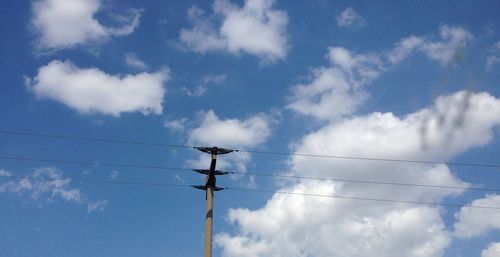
column 337, row 90
column 93, row 91
column 473, row 222
column 449, row 49
column 230, row 133
column 303, row 226
column 296, row 225
column 446, row 51
column 493, row 250
column 255, row 28
column 454, row 124
column 404, row 48
column 349, row 18
column 133, row 61
column 203, row 36
column 65, row 24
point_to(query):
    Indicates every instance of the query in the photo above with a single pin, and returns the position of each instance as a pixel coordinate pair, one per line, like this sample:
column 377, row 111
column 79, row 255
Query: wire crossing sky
column 359, row 128
column 148, row 167
column 250, row 151
column 250, row 190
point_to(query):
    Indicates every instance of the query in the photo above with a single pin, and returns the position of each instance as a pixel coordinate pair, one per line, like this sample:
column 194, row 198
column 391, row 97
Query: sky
column 399, row 80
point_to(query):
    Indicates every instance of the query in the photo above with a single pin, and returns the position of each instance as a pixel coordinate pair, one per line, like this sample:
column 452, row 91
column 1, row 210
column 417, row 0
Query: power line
column 369, row 182
column 253, row 190
column 93, row 139
column 374, row 159
column 90, row 163
column 119, row 182
column 365, row 199
column 358, row 158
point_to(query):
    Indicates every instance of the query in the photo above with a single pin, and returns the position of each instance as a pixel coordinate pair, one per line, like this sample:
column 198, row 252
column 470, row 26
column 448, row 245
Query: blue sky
column 415, row 80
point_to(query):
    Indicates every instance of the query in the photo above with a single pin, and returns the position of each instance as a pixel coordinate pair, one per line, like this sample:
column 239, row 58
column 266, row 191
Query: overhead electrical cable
column 93, row 163
column 369, row 181
column 253, row 190
column 375, row 159
column 358, row 158
column 365, row 199
column 119, row 182
column 93, row 139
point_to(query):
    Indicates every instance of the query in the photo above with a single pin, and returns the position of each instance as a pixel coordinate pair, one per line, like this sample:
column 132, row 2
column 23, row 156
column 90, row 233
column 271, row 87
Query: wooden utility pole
column 209, row 222
column 210, row 187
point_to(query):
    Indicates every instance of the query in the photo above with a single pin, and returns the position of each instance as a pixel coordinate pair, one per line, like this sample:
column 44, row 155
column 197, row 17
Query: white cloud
column 45, row 185
column 114, row 174
column 48, row 184
column 230, row 132
column 295, row 225
column 197, row 91
column 450, row 48
column 133, row 61
column 445, row 51
column 66, row 24
column 300, row 226
column 93, row 91
column 256, row 29
column 349, row 18
column 493, row 250
column 494, row 57
column 235, row 161
column 206, row 81
column 96, row 206
column 404, row 48
column 474, row 222
column 179, row 179
column 214, row 79
column 203, row 36
column 176, row 125
column 338, row 90
column 454, row 124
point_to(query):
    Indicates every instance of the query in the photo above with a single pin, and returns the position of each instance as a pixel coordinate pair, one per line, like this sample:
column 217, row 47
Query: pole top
column 215, row 150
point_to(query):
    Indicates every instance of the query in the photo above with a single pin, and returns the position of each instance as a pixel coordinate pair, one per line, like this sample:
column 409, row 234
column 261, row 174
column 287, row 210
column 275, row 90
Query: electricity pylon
column 210, row 186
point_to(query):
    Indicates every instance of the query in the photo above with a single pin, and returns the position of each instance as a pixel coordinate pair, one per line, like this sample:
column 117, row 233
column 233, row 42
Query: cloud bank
column 295, row 225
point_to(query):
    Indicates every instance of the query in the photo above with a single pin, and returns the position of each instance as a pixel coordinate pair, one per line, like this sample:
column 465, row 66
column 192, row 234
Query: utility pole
column 210, row 187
